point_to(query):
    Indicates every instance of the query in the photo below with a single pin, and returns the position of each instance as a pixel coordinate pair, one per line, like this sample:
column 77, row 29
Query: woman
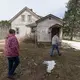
column 12, row 52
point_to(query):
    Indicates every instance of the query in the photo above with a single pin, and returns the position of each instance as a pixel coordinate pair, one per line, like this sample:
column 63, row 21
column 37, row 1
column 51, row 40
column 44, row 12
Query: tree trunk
column 71, row 38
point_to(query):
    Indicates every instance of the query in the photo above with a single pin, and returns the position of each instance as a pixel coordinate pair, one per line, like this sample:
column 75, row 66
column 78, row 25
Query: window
column 29, row 18
column 50, row 18
column 17, row 30
column 22, row 17
column 32, row 30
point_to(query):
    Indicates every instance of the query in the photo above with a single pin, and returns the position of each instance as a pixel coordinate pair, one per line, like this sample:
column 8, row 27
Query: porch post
column 61, row 32
column 35, row 37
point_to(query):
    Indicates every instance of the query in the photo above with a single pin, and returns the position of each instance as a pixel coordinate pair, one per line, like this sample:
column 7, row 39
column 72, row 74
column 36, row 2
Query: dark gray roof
column 49, row 16
column 27, row 9
column 43, row 18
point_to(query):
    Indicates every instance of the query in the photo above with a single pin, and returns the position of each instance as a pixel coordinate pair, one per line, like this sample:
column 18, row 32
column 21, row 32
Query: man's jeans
column 54, row 46
column 13, row 62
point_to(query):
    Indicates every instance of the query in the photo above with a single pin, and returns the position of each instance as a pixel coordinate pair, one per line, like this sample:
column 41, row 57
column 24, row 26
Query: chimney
column 31, row 9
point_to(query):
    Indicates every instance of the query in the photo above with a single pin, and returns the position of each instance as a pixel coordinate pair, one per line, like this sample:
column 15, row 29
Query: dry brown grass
column 31, row 67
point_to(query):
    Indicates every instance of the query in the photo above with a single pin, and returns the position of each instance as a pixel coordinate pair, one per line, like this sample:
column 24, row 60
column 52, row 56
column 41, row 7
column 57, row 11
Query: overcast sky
column 8, row 8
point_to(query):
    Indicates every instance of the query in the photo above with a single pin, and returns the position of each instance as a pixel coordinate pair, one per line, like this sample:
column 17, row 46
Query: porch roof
column 56, row 25
column 32, row 25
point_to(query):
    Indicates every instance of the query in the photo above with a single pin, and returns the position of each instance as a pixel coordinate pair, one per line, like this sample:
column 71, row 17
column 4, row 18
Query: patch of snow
column 73, row 44
column 50, row 65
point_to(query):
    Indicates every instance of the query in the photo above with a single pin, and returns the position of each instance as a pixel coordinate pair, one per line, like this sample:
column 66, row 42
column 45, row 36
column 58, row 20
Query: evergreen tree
column 72, row 18
column 5, row 23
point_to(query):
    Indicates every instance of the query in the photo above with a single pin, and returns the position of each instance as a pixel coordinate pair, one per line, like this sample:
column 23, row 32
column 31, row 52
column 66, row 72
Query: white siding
column 18, row 23
column 42, row 30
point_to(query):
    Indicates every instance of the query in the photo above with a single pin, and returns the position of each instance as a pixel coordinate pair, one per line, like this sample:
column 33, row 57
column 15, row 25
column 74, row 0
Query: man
column 55, row 44
column 12, row 52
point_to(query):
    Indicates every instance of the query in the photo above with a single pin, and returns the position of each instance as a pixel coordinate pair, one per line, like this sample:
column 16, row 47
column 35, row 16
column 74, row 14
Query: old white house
column 28, row 24
column 19, row 21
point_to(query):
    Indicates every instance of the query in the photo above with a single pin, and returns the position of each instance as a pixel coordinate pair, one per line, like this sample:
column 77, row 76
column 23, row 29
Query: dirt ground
column 31, row 67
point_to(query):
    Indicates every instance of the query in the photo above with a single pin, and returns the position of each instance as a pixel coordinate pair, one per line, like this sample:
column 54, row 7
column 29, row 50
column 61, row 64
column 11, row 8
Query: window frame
column 29, row 17
column 22, row 18
column 17, row 30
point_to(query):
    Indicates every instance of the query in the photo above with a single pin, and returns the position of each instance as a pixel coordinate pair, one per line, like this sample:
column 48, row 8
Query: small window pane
column 23, row 17
column 17, row 30
column 29, row 18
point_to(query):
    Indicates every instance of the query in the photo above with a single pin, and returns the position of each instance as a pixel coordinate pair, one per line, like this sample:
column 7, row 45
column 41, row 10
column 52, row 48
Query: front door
column 55, row 31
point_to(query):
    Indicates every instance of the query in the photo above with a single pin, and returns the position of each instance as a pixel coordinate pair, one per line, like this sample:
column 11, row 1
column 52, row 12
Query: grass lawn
column 31, row 67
